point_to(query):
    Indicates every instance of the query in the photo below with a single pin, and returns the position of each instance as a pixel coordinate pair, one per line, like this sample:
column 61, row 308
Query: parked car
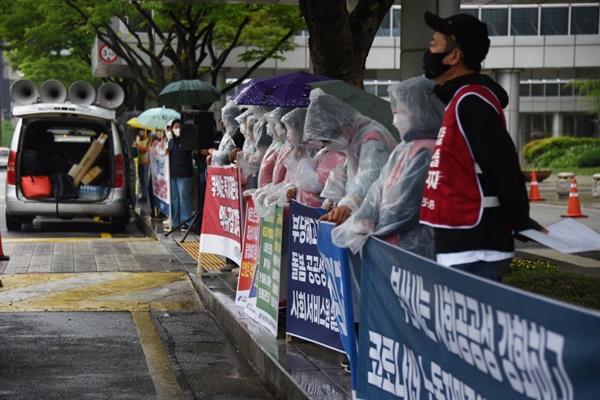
column 49, row 144
column 4, row 151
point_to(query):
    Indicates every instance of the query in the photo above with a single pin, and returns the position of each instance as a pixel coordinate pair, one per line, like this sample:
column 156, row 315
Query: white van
column 51, row 139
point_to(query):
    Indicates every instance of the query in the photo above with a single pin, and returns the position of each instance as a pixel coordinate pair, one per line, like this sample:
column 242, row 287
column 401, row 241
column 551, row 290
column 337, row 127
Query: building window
column 384, row 28
column 471, row 11
column 496, row 20
column 584, row 20
column 552, row 89
column 555, row 21
column 566, row 90
column 537, row 89
column 396, row 22
column 523, row 21
column 524, row 90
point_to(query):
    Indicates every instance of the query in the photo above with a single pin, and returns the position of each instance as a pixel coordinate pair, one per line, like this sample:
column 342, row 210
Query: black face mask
column 432, row 64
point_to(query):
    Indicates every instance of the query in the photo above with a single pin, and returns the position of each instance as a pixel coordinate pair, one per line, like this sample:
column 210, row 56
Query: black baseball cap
column 469, row 32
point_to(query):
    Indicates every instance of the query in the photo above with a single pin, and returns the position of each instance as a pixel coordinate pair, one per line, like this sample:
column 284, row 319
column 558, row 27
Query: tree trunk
column 341, row 35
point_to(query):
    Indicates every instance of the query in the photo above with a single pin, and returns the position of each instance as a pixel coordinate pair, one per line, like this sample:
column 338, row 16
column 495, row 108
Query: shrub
column 590, row 158
column 558, row 152
column 528, row 265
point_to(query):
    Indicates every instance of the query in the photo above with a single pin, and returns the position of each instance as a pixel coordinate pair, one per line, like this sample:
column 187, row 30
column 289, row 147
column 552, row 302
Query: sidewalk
column 303, row 370
column 297, row 369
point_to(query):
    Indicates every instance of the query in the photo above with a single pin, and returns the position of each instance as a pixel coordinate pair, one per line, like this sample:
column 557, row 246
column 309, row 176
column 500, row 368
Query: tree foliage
column 589, row 88
column 195, row 38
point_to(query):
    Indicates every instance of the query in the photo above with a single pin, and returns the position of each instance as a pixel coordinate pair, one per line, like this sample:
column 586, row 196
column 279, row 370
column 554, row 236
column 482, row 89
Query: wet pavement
column 296, row 369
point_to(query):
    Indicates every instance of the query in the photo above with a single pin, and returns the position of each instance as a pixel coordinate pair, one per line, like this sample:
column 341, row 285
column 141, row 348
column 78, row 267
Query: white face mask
column 403, row 123
column 176, row 132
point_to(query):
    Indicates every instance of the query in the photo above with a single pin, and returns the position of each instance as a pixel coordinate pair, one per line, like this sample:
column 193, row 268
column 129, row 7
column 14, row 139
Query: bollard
column 596, row 186
column 563, row 184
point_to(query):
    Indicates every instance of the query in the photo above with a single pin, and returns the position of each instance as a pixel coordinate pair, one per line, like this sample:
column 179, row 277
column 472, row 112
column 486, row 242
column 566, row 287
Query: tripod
column 193, row 218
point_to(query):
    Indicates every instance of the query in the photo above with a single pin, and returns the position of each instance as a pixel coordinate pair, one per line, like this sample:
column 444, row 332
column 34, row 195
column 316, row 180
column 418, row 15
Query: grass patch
column 543, row 278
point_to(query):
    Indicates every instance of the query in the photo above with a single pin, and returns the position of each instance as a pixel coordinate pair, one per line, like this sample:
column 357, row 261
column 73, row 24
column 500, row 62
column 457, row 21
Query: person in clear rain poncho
column 220, row 156
column 367, row 145
column 250, row 158
column 392, row 206
column 276, row 130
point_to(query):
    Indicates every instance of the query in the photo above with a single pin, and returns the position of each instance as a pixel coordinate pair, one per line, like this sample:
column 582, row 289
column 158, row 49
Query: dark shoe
column 345, row 363
column 228, row 267
column 184, row 229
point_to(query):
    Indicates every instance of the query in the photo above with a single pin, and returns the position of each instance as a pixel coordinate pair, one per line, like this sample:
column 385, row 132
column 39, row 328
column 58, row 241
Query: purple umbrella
column 287, row 90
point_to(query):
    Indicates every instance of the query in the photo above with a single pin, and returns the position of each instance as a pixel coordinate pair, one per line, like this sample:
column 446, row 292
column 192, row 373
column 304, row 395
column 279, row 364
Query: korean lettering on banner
column 221, row 218
column 337, row 268
column 159, row 172
column 449, row 335
column 268, row 275
column 309, row 313
column 250, row 250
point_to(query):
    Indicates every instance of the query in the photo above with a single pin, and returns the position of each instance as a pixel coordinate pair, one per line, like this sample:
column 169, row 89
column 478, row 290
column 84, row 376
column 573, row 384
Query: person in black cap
column 475, row 195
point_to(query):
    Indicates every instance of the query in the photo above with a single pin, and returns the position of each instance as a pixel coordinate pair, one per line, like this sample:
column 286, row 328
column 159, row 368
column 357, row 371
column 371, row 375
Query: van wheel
column 13, row 223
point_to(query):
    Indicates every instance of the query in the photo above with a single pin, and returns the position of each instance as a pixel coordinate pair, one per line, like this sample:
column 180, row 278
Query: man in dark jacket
column 475, row 195
column 181, row 171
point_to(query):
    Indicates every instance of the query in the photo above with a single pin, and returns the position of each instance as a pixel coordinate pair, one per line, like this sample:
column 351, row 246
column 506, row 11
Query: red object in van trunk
column 119, row 171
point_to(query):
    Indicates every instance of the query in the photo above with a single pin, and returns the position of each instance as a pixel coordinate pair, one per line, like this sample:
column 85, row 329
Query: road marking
column 569, row 258
column 105, row 235
column 159, row 291
column 157, row 360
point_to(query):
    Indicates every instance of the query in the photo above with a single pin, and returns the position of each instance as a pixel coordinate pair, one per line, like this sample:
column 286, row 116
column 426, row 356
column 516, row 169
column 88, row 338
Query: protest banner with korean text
column 250, row 250
column 309, row 312
column 337, row 267
column 159, row 173
column 221, row 219
column 429, row 331
column 268, row 275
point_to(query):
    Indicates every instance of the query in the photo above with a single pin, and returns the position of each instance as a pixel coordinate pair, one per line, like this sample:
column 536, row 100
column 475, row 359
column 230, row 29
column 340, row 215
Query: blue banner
column 429, row 331
column 337, row 268
column 309, row 313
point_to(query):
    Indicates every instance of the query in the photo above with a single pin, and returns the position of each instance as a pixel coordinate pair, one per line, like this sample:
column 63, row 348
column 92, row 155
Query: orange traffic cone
column 2, row 256
column 573, row 208
column 534, row 191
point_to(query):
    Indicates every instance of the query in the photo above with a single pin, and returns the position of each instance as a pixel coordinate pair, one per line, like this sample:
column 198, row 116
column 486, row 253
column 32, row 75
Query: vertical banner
column 250, row 248
column 428, row 331
column 221, row 219
column 269, row 269
column 159, row 171
column 337, row 268
column 309, row 312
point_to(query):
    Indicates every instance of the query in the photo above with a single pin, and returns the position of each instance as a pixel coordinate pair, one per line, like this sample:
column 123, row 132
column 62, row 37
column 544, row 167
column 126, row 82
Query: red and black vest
column 453, row 197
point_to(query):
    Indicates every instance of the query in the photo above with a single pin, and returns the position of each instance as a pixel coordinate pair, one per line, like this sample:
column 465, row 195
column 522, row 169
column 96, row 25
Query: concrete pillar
column 557, row 124
column 415, row 34
column 509, row 80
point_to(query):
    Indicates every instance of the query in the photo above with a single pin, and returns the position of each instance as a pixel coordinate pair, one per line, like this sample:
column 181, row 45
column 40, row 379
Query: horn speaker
column 53, row 91
column 24, row 91
column 82, row 93
column 110, row 95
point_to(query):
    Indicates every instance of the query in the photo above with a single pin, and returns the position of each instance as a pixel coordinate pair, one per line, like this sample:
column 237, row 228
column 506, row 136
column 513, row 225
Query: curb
column 250, row 346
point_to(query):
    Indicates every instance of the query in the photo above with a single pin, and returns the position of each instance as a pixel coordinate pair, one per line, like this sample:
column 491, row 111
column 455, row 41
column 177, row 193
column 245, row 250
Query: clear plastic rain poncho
column 340, row 127
column 392, row 206
column 220, row 157
column 250, row 158
column 312, row 172
column 276, row 130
